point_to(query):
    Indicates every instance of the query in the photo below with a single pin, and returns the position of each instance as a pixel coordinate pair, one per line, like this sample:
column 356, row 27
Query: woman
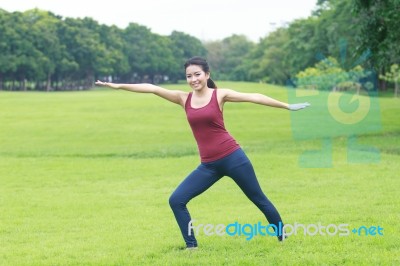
column 220, row 154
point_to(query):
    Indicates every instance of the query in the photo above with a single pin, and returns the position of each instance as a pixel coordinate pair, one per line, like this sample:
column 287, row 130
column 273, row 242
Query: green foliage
column 37, row 47
column 329, row 75
column 380, row 22
column 183, row 47
column 289, row 50
column 267, row 62
column 393, row 76
column 40, row 50
column 114, row 62
column 302, row 45
column 227, row 57
column 8, row 54
column 82, row 39
column 336, row 26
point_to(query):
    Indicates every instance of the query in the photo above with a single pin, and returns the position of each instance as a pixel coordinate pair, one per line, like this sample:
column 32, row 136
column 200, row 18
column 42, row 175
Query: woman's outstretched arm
column 258, row 98
column 175, row 96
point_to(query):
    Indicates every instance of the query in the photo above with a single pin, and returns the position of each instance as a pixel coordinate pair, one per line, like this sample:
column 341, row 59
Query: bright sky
column 203, row 19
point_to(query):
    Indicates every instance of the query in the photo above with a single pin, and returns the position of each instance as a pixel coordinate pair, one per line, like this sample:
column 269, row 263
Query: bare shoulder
column 183, row 95
column 223, row 93
column 175, row 96
column 229, row 95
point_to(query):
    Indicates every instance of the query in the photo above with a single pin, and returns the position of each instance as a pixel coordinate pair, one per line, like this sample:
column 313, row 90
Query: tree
column 149, row 55
column 268, row 61
column 393, row 76
column 160, row 58
column 336, row 32
column 135, row 39
column 226, row 57
column 82, row 40
column 9, row 37
column 380, row 22
column 44, row 27
column 302, row 45
column 327, row 74
column 117, row 64
column 183, row 47
column 19, row 57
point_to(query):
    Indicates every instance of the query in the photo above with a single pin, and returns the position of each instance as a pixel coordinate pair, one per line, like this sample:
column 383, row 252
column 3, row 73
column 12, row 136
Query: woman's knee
column 175, row 201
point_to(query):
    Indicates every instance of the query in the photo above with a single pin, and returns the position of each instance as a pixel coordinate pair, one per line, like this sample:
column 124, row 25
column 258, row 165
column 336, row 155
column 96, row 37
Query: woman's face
column 196, row 77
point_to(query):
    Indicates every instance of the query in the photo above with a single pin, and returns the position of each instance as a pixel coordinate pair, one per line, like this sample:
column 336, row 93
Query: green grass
column 85, row 179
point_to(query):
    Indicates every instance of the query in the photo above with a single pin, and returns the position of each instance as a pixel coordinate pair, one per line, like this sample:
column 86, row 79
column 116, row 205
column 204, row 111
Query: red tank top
column 207, row 124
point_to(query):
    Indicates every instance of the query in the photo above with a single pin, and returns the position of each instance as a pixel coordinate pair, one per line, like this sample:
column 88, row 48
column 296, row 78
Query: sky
column 207, row 20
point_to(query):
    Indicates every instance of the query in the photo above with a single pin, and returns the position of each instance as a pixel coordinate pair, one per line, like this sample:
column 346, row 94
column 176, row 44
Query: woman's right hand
column 106, row 84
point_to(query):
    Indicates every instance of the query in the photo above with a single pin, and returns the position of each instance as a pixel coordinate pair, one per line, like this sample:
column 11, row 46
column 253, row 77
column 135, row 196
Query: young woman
column 220, row 154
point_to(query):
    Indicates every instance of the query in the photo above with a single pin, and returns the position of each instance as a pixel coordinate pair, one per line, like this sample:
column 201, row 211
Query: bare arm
column 174, row 96
column 258, row 98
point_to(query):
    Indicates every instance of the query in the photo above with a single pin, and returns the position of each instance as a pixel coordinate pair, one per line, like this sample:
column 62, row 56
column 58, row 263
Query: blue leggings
column 239, row 168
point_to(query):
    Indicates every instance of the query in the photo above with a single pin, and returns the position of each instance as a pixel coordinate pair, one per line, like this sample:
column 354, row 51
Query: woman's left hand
column 298, row 106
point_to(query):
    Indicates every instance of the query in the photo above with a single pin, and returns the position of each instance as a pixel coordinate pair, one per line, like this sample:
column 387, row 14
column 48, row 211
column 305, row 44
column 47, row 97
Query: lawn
column 85, row 179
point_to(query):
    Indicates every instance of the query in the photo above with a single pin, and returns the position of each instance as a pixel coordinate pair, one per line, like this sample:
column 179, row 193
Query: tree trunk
column 89, row 81
column 24, row 85
column 48, row 83
column 382, row 85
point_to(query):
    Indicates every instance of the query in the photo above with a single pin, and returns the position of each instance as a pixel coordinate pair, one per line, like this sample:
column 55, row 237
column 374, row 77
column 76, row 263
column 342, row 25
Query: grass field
column 85, row 179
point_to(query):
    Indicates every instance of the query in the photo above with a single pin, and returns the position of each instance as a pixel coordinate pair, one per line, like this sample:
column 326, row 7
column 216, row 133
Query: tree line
column 40, row 50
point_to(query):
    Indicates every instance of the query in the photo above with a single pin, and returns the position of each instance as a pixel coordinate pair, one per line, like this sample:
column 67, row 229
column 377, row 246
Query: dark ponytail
column 211, row 84
column 199, row 61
